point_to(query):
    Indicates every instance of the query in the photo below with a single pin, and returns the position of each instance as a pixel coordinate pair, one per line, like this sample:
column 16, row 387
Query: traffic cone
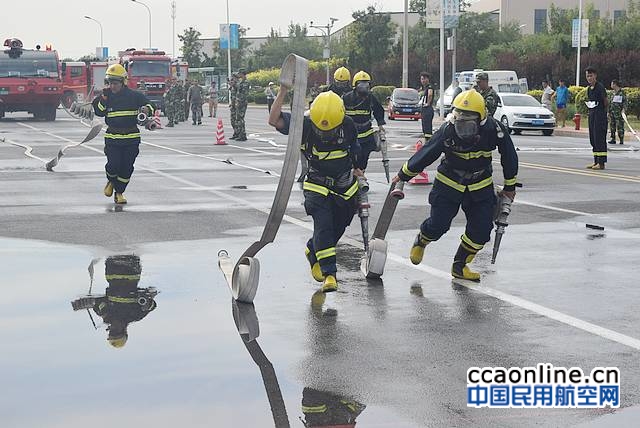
column 156, row 117
column 422, row 177
column 220, row 134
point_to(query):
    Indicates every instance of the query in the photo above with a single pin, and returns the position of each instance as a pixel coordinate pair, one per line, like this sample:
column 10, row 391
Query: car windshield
column 519, row 101
column 507, row 87
column 29, row 64
column 149, row 69
column 406, row 95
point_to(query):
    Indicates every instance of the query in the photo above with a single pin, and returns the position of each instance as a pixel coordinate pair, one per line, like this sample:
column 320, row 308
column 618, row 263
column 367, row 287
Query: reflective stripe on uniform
column 122, row 136
column 324, row 191
column 366, row 133
column 599, row 153
column 122, row 113
column 314, row 409
column 461, row 187
column 100, row 106
column 128, row 277
column 151, row 109
column 326, row 253
column 122, row 299
column 330, row 155
column 510, row 181
column 407, row 171
column 315, row 188
column 473, row 155
column 123, row 180
column 476, row 247
column 357, row 112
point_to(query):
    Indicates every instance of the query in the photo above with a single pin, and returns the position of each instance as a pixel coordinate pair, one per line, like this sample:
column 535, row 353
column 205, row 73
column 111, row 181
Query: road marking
column 609, row 176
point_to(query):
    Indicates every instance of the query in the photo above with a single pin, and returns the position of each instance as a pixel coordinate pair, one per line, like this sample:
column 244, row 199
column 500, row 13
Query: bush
column 257, row 95
column 633, row 101
column 580, row 98
column 382, row 92
column 536, row 93
column 573, row 91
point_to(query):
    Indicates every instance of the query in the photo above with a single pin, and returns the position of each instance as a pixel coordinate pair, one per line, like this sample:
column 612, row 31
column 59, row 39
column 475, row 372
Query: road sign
column 575, row 33
column 229, row 33
column 451, row 13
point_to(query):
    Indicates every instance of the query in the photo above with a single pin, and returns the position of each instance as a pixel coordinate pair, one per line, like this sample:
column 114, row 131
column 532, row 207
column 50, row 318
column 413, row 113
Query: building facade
column 533, row 15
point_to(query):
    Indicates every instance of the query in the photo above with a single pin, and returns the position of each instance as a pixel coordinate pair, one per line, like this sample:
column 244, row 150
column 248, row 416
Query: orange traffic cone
column 423, row 177
column 220, row 134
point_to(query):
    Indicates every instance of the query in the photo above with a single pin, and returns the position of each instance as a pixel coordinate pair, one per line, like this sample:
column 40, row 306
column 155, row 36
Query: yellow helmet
column 361, row 76
column 327, row 111
column 116, row 72
column 118, row 341
column 471, row 101
column 342, row 75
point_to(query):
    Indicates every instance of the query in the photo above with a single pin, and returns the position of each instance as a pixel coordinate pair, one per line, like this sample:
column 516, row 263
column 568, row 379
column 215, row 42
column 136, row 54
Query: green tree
column 369, row 38
column 276, row 48
column 191, row 46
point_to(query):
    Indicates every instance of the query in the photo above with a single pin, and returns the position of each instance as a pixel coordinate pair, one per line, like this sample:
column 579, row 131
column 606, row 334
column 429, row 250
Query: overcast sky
column 126, row 24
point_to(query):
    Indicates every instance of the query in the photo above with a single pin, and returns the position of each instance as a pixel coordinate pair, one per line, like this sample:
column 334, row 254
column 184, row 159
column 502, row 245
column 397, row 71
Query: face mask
column 362, row 88
column 465, row 125
column 342, row 85
column 330, row 136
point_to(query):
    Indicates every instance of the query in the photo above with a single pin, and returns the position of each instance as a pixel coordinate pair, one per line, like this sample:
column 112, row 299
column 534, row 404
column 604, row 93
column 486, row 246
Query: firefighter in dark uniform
column 124, row 302
column 464, row 178
column 326, row 409
column 120, row 106
column 360, row 104
column 330, row 144
column 341, row 79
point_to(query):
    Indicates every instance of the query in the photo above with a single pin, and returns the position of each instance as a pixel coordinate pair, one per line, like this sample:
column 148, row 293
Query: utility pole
column 405, row 46
column 173, row 17
column 579, row 43
column 442, row 47
column 326, row 30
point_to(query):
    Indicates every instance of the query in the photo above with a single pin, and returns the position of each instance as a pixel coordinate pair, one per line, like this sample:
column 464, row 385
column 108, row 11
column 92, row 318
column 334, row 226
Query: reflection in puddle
column 123, row 302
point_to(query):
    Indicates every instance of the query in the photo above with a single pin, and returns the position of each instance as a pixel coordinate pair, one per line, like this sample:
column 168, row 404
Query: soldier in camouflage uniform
column 488, row 93
column 241, row 104
column 233, row 91
column 169, row 107
column 617, row 104
column 179, row 103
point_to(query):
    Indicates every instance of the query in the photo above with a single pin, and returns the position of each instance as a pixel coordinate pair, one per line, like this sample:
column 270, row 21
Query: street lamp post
column 579, row 43
column 101, row 40
column 228, row 52
column 148, row 10
column 173, row 17
column 326, row 30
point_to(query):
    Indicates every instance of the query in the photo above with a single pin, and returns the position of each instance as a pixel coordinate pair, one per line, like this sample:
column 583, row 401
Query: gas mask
column 362, row 89
column 466, row 125
column 329, row 136
column 342, row 85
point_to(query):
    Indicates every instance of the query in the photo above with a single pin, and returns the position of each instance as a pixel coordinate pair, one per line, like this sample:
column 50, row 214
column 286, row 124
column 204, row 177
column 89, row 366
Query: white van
column 500, row 80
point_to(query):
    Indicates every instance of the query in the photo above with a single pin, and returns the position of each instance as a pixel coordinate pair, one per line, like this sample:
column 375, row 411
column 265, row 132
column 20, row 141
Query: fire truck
column 180, row 70
column 81, row 80
column 30, row 80
column 149, row 71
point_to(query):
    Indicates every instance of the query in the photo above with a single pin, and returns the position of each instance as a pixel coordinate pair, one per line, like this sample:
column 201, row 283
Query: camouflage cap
column 482, row 76
column 241, row 71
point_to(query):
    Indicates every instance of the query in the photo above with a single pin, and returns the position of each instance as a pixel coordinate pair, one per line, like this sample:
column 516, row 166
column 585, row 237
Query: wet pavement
column 391, row 353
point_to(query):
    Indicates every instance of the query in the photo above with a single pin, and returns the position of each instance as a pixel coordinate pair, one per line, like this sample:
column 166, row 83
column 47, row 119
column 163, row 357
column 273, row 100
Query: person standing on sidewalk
column 270, row 93
column 562, row 97
column 426, row 100
column 547, row 94
column 617, row 105
column 213, row 99
column 598, row 106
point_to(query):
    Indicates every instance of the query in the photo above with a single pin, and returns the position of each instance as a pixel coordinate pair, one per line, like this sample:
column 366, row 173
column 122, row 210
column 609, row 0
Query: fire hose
column 501, row 222
column 243, row 277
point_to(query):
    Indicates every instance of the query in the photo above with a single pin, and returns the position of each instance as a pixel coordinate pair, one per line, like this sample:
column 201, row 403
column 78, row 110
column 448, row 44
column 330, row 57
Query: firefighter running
column 120, row 106
column 464, row 178
column 330, row 144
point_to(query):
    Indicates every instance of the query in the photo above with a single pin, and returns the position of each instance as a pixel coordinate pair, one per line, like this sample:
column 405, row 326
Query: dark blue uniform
column 598, row 122
column 329, row 189
column 122, row 139
column 464, row 178
column 360, row 109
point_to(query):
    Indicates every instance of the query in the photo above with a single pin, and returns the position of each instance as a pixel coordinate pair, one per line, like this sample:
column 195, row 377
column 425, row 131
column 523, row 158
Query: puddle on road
column 151, row 335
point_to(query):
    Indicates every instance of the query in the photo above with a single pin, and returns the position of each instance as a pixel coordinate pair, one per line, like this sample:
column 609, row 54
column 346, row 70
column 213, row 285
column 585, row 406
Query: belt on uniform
column 342, row 181
column 112, row 130
column 363, row 126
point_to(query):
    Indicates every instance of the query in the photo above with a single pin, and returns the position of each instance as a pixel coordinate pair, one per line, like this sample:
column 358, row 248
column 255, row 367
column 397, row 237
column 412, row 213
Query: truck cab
column 148, row 71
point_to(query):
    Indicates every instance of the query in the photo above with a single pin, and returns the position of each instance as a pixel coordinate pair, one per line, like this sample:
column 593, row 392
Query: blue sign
column 229, row 33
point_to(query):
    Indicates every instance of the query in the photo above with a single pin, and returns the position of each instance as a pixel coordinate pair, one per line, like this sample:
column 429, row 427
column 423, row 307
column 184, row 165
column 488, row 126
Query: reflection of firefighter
column 123, row 301
column 325, row 409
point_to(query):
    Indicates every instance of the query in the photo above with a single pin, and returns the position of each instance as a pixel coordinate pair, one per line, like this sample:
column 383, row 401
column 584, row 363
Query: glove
column 383, row 134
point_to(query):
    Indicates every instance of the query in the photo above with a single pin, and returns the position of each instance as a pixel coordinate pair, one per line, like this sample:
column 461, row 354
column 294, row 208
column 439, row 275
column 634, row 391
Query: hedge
column 633, row 101
column 382, row 92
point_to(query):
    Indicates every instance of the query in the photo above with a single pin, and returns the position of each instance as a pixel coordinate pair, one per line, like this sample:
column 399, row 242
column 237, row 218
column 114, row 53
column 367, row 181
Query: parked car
column 404, row 103
column 519, row 112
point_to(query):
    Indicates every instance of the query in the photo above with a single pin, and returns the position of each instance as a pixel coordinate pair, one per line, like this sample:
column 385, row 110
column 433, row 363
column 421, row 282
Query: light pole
column 326, row 30
column 148, row 10
column 228, row 52
column 101, row 40
column 173, row 17
column 579, row 43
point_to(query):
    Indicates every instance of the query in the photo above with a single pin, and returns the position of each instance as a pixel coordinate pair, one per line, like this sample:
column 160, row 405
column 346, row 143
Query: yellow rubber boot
column 459, row 269
column 108, row 190
column 330, row 284
column 417, row 250
column 316, row 272
column 119, row 199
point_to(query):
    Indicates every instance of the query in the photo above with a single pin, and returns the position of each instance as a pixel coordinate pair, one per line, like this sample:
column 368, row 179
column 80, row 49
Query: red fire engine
column 80, row 80
column 179, row 70
column 30, row 80
column 149, row 71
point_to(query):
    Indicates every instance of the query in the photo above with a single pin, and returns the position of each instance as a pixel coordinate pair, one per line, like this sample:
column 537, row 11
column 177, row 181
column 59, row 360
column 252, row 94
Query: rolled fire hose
column 243, row 278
